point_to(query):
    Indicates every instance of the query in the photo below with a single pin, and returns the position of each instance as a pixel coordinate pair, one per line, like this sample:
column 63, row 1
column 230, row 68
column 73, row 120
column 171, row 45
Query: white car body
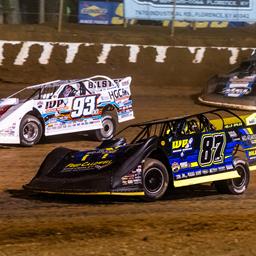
column 79, row 111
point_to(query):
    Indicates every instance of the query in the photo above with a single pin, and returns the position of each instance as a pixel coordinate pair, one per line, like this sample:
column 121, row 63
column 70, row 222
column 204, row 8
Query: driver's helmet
column 68, row 91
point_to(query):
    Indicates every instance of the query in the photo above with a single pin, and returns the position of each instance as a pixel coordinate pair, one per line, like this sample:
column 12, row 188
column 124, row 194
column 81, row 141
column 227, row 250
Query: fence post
column 1, row 13
column 14, row 15
column 60, row 15
column 173, row 17
column 41, row 11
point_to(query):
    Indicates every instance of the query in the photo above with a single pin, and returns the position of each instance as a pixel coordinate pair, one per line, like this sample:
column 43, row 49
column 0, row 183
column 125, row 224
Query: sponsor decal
column 236, row 92
column 232, row 134
column 238, row 87
column 250, row 120
column 242, row 81
column 88, row 165
column 249, row 137
column 213, row 170
column 101, row 84
column 10, row 131
column 204, row 172
column 191, row 174
column 94, row 11
column 252, row 153
column 175, row 167
column 182, row 145
column 55, row 103
column 117, row 94
column 226, row 126
column 133, row 178
column 184, row 165
column 40, row 104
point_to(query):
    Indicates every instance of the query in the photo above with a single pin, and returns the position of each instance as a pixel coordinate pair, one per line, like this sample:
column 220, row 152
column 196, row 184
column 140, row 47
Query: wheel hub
column 30, row 131
column 108, row 128
column 153, row 180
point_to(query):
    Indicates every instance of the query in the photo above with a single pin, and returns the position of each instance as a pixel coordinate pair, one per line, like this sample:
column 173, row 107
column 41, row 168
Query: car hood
column 92, row 160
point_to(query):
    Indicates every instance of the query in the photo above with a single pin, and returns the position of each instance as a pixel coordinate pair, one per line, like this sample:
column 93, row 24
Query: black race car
column 163, row 153
column 234, row 90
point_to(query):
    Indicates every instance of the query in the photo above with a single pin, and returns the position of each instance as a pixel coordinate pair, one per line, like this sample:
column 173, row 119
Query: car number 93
column 84, row 106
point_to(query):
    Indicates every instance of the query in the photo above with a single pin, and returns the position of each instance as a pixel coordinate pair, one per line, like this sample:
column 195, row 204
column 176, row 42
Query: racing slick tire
column 109, row 127
column 155, row 179
column 236, row 186
column 31, row 130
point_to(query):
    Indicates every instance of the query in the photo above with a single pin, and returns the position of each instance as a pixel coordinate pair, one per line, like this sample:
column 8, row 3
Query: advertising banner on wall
column 191, row 10
column 96, row 12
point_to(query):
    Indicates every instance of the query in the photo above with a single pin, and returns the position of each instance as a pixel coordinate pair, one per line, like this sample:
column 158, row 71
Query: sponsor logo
column 175, row 167
column 252, row 152
column 94, row 11
column 117, row 94
column 184, row 165
column 251, row 119
column 236, row 92
column 40, row 104
column 89, row 165
column 101, row 84
column 182, row 145
column 226, row 126
column 55, row 103
column 133, row 178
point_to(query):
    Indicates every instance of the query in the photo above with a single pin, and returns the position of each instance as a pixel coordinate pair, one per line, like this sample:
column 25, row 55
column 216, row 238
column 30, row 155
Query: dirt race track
column 192, row 221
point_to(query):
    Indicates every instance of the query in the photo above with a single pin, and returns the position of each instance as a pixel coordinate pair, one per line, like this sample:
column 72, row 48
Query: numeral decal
column 212, row 149
column 84, row 106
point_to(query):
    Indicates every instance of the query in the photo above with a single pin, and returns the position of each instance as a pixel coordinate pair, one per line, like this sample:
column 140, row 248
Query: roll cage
column 181, row 126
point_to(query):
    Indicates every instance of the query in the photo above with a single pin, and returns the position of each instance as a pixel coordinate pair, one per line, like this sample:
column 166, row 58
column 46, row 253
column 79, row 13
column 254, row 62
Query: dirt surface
column 192, row 221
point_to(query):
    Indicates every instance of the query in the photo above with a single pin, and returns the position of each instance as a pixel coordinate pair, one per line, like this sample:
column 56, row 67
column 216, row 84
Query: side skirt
column 208, row 178
column 92, row 193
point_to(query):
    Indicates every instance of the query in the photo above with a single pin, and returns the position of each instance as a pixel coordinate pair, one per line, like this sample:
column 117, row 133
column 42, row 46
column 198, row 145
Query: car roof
column 220, row 113
column 52, row 84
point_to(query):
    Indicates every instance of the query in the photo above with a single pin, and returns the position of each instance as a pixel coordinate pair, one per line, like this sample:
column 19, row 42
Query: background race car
column 164, row 154
column 65, row 106
column 235, row 89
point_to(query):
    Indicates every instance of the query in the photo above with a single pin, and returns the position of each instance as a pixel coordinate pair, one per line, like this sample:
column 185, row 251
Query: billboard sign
column 95, row 12
column 192, row 10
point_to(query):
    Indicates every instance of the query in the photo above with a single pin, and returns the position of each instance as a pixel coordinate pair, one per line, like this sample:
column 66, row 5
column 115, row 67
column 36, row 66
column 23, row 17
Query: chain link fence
column 37, row 11
column 67, row 11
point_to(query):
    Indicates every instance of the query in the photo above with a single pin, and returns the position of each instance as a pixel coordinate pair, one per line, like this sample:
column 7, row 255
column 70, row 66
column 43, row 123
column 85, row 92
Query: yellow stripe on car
column 208, row 178
column 95, row 193
column 194, row 164
column 252, row 168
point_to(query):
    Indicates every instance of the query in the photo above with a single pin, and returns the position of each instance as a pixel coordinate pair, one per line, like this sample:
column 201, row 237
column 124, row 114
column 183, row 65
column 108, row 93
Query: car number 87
column 84, row 106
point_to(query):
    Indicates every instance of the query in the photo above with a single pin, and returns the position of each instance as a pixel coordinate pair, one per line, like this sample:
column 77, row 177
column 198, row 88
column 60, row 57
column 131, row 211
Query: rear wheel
column 155, row 179
column 235, row 186
column 109, row 127
column 31, row 130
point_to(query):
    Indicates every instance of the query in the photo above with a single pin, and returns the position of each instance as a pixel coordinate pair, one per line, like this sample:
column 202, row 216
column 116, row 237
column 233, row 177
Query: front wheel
column 109, row 128
column 155, row 179
column 31, row 130
column 236, row 186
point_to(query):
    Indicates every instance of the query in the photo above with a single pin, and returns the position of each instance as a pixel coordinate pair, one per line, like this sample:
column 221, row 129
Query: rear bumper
column 242, row 103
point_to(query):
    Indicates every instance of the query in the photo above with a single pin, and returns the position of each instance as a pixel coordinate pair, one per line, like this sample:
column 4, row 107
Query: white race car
column 65, row 106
